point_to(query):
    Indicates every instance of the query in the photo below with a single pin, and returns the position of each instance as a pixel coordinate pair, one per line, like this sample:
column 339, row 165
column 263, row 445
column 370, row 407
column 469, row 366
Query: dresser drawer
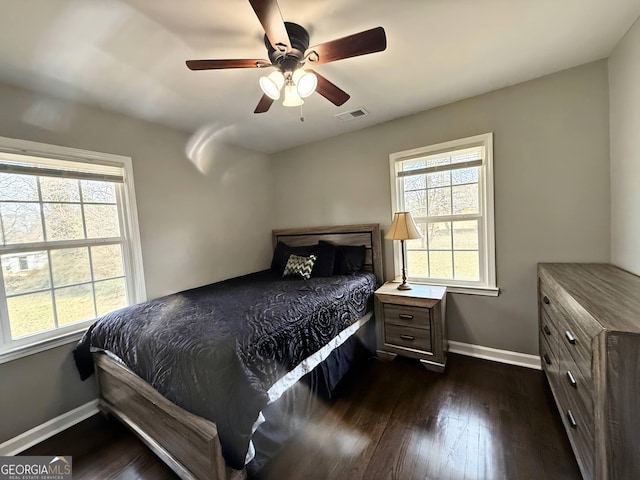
column 548, row 356
column 408, row 337
column 579, row 429
column 548, row 331
column 404, row 315
column 576, row 386
column 575, row 328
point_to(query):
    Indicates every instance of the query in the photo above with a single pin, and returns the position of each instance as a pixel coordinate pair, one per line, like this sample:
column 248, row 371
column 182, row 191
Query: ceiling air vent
column 352, row 115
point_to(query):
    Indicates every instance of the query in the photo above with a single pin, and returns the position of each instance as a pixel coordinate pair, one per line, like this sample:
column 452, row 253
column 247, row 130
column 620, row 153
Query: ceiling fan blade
column 264, row 104
column 369, row 41
column 328, row 90
column 268, row 13
column 219, row 64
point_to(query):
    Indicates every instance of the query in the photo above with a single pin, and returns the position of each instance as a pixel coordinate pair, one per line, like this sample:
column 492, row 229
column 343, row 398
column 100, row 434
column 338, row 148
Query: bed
column 191, row 444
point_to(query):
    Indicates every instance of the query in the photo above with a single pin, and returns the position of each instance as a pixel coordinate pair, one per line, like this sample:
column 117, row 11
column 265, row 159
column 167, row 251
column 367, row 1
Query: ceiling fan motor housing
column 289, row 60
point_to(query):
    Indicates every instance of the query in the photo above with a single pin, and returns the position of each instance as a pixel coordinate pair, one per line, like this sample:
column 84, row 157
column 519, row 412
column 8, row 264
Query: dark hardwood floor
column 392, row 420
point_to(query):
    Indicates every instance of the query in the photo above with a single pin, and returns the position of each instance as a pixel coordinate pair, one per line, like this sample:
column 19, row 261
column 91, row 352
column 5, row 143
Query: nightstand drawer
column 408, row 337
column 407, row 316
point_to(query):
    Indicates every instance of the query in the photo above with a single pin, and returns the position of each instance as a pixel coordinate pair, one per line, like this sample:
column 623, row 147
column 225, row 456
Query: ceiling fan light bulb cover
column 291, row 97
column 306, row 82
column 272, row 84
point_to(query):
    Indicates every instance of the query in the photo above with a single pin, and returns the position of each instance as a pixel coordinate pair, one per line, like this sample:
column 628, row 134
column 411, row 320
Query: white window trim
column 132, row 249
column 488, row 252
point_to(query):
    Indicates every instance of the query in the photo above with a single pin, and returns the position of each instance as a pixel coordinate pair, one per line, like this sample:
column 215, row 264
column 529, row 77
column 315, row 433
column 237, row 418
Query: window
column 69, row 243
column 448, row 188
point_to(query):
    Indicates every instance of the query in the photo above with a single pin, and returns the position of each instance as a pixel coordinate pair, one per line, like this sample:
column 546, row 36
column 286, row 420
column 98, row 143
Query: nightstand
column 412, row 323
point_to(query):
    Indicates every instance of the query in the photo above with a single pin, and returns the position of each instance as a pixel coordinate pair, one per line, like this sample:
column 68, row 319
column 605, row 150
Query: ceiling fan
column 288, row 50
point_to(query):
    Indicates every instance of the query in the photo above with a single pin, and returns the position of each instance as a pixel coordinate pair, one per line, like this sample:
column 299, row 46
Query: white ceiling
column 128, row 56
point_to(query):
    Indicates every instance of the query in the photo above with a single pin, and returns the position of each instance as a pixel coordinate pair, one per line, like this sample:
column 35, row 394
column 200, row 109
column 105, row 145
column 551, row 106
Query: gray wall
column 552, row 198
column 203, row 217
column 624, row 95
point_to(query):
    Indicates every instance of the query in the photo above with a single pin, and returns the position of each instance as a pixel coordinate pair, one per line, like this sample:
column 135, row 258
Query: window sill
column 483, row 291
column 14, row 353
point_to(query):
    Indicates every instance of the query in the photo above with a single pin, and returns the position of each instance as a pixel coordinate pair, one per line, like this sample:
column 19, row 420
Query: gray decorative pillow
column 298, row 266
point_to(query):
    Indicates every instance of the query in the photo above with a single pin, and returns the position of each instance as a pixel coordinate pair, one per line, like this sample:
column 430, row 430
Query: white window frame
column 486, row 226
column 54, row 155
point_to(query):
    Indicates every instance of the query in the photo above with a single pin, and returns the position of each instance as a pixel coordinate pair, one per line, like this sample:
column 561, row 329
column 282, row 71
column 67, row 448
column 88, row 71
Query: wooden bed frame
column 186, row 442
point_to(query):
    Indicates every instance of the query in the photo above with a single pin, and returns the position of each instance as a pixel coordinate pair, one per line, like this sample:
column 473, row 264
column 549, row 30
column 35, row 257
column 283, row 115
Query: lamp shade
column 272, row 84
column 402, row 227
column 306, row 82
column 291, row 97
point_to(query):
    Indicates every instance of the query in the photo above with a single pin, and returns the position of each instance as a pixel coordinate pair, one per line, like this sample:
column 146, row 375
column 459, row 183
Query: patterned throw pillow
column 298, row 266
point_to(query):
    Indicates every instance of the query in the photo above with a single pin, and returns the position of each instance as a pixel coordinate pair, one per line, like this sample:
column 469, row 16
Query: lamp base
column 404, row 286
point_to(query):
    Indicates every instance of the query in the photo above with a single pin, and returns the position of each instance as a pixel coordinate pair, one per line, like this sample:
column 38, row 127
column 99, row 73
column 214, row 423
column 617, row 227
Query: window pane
column 467, row 154
column 70, row 265
column 437, row 160
column 417, row 263
column 465, row 199
column 110, row 295
column 18, row 187
column 439, row 201
column 418, row 243
column 439, row 179
column 465, row 175
column 59, row 189
column 74, row 304
column 102, row 221
column 25, row 272
column 415, row 182
column 440, row 236
column 107, row 261
column 30, row 314
column 63, row 221
column 413, row 165
column 467, row 265
column 416, row 203
column 21, row 222
column 98, row 192
column 441, row 264
column 465, row 235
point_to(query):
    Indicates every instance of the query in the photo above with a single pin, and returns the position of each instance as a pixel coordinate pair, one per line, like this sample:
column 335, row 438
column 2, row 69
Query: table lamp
column 403, row 228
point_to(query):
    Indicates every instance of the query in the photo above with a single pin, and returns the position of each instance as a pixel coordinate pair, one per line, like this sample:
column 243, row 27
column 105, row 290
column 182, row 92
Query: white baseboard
column 502, row 356
column 48, row 429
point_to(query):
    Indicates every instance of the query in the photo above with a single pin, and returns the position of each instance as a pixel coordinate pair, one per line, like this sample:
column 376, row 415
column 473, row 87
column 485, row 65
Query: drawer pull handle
column 570, row 337
column 407, row 337
column 545, row 299
column 405, row 316
column 572, row 420
column 572, row 379
column 547, row 360
column 546, row 330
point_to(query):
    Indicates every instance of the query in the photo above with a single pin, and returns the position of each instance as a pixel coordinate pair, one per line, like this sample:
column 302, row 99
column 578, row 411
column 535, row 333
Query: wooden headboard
column 362, row 234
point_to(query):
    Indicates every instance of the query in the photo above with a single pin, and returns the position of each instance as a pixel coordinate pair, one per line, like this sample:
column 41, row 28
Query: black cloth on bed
column 216, row 350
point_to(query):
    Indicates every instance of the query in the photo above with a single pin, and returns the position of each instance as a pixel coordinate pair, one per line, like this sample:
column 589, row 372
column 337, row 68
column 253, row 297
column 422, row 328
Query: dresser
column 412, row 323
column 589, row 319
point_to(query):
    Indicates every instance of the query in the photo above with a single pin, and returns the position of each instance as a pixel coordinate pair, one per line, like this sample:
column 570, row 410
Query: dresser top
column 608, row 293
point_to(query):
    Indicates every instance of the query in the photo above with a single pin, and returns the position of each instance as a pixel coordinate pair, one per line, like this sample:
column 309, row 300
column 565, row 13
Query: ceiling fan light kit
column 297, row 86
column 288, row 49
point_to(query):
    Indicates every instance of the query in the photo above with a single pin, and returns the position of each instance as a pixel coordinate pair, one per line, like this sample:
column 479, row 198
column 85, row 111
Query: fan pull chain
column 301, row 114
